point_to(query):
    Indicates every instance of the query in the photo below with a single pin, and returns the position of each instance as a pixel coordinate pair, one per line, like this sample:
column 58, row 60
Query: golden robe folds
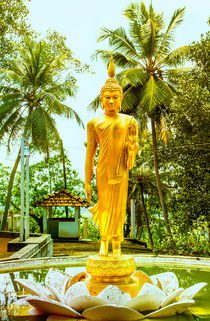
column 112, row 135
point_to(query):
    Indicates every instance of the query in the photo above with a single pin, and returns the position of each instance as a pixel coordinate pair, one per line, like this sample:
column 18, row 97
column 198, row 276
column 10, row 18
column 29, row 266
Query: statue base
column 110, row 270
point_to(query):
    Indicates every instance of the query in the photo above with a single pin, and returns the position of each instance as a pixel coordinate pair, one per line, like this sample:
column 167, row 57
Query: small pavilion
column 61, row 227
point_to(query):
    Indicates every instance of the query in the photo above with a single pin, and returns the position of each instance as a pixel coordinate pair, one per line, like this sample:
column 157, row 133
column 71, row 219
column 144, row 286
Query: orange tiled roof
column 61, row 198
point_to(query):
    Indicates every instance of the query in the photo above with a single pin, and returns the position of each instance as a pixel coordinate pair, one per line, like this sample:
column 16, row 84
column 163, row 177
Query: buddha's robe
column 111, row 133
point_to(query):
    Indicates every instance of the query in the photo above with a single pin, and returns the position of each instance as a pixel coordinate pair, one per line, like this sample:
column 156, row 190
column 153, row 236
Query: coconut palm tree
column 144, row 58
column 142, row 180
column 32, row 91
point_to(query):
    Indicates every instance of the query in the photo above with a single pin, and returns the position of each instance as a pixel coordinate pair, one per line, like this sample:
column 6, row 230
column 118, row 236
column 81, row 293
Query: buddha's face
column 111, row 102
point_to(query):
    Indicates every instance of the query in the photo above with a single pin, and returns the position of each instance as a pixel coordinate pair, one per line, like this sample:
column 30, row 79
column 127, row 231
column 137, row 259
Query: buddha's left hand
column 132, row 146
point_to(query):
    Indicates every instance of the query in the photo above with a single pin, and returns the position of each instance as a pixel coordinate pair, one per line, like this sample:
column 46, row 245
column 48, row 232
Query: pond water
column 186, row 277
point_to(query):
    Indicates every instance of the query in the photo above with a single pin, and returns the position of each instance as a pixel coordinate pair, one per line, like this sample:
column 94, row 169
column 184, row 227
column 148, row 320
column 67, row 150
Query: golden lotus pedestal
column 110, row 270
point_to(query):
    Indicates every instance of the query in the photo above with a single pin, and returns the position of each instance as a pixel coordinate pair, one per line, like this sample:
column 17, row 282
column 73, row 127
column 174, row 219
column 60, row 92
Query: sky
column 80, row 21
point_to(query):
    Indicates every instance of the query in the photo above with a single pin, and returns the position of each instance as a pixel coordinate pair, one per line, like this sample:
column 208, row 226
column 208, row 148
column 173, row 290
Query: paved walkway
column 92, row 247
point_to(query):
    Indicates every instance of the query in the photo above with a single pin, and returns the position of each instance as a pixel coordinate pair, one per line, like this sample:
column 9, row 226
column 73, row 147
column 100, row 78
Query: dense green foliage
column 188, row 150
column 183, row 162
column 35, row 83
column 13, row 27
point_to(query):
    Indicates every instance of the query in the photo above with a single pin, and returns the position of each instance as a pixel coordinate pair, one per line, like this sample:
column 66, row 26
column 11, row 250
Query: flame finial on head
column 111, row 84
column 111, row 68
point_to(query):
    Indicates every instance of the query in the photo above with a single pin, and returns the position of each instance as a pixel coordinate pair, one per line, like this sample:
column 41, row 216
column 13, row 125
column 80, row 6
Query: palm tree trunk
column 159, row 186
column 146, row 217
column 64, row 174
column 9, row 191
column 128, row 214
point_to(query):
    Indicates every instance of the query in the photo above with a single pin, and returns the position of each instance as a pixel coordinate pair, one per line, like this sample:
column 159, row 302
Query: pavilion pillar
column 45, row 220
column 85, row 233
column 77, row 218
column 50, row 213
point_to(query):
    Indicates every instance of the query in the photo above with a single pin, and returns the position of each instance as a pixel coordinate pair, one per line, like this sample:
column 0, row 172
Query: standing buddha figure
column 117, row 136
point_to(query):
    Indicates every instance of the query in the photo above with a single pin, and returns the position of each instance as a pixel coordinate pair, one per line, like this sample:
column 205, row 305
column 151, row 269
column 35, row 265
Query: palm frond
column 71, row 113
column 150, row 38
column 9, row 90
column 167, row 37
column 38, row 128
column 12, row 75
column 15, row 131
column 7, row 107
column 130, row 99
column 63, row 89
column 138, row 15
column 11, row 96
column 35, row 57
column 118, row 40
column 120, row 60
column 136, row 11
column 176, row 57
column 94, row 105
column 155, row 92
column 133, row 77
column 48, row 69
column 9, row 123
column 56, row 107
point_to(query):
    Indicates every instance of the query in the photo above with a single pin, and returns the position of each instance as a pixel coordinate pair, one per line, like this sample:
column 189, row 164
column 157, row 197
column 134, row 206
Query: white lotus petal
column 168, row 281
column 144, row 302
column 53, row 307
column 77, row 289
column 190, row 292
column 57, row 279
column 85, row 302
column 154, row 280
column 7, row 290
column 34, row 288
column 171, row 297
column 111, row 313
column 170, row 310
column 114, row 295
column 148, row 288
column 23, row 301
column 56, row 295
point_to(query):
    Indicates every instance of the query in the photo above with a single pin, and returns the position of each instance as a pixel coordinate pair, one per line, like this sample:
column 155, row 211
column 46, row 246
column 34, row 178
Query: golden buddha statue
column 117, row 136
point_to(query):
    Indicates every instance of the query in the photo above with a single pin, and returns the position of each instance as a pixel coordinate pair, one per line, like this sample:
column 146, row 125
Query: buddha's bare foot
column 102, row 253
column 116, row 249
column 116, row 254
column 104, row 248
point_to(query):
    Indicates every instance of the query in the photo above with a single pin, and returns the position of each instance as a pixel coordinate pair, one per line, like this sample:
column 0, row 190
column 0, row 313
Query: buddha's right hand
column 88, row 191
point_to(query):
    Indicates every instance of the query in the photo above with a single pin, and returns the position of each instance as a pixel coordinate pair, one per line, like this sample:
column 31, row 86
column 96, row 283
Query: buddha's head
column 111, row 93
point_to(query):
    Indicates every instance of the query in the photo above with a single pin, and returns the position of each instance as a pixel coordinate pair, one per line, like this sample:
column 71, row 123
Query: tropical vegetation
column 144, row 57
column 33, row 89
column 170, row 179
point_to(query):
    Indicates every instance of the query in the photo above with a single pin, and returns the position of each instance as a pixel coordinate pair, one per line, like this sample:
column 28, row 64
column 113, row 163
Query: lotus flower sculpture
column 69, row 298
